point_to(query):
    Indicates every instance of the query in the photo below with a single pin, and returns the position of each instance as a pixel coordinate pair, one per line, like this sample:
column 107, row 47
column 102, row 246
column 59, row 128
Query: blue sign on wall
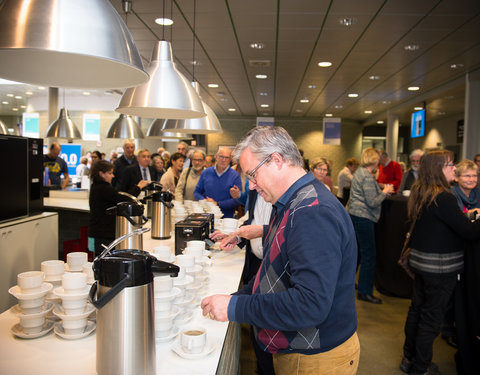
column 71, row 154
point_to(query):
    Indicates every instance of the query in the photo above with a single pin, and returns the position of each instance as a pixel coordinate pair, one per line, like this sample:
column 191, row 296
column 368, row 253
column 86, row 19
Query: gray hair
column 263, row 141
column 416, row 152
column 200, row 152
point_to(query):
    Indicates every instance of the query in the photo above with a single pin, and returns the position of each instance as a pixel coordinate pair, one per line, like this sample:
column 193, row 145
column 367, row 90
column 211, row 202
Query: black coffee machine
column 190, row 230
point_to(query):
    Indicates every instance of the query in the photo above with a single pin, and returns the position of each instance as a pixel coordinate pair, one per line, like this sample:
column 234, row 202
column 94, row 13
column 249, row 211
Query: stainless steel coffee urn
column 129, row 218
column 161, row 214
column 152, row 188
column 123, row 296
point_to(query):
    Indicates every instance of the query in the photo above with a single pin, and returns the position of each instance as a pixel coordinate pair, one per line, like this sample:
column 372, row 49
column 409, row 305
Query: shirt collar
column 282, row 201
column 220, row 174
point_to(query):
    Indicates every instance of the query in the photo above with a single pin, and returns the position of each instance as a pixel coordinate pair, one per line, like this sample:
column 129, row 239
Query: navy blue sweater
column 303, row 296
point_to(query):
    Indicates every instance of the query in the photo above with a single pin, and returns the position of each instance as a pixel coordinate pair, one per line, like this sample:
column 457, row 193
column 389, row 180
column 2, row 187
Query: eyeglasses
column 251, row 175
column 449, row 165
column 223, row 157
column 197, row 160
column 320, row 169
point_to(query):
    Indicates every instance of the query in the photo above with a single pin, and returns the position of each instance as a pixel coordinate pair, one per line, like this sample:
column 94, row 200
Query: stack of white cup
column 192, row 269
column 31, row 309
column 197, row 249
column 164, row 252
column 75, row 261
column 74, row 310
column 54, row 270
column 184, row 300
column 228, row 225
column 165, row 311
column 179, row 213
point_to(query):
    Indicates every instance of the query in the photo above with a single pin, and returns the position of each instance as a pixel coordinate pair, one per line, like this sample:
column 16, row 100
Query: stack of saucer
column 192, row 269
column 197, row 249
column 184, row 301
column 74, row 310
column 31, row 309
column 165, row 311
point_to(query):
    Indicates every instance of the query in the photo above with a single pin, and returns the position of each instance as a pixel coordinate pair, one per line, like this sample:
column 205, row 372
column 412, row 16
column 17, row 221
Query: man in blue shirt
column 215, row 183
column 56, row 166
column 302, row 299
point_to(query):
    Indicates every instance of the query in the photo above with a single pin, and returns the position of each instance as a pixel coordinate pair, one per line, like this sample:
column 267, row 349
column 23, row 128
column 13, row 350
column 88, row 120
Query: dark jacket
column 132, row 176
column 120, row 164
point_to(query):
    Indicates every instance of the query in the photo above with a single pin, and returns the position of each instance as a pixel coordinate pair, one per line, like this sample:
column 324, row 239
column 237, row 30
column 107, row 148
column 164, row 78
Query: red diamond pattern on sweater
column 279, row 238
column 273, row 340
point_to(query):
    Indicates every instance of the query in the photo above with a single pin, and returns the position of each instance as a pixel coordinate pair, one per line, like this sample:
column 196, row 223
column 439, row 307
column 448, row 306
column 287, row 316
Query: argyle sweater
column 303, row 296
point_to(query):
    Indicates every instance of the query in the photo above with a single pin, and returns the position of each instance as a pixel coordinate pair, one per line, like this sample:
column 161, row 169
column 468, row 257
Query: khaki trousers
column 342, row 360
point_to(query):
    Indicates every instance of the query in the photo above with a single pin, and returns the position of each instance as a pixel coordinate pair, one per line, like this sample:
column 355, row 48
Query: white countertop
column 80, row 204
column 53, row 355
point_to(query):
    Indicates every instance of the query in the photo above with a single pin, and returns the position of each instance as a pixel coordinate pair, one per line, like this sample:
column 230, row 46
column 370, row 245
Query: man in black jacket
column 127, row 159
column 137, row 176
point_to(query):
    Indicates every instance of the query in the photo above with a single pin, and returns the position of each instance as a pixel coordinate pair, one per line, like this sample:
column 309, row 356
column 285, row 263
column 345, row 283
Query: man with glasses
column 215, row 183
column 302, row 300
column 411, row 175
column 190, row 176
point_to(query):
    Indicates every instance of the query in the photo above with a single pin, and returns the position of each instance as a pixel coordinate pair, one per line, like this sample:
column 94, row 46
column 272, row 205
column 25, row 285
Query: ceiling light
column 328, row 115
column 231, row 110
column 221, row 93
column 10, row 95
column 261, row 76
column 441, row 113
column 374, row 78
column 23, row 106
column 124, row 127
column 4, row 102
column 257, row 45
column 167, row 94
column 368, row 112
column 41, row 88
column 212, row 85
column 18, row 97
column 352, row 95
column 411, row 47
column 63, row 127
column 15, row 109
column 155, row 130
column 223, row 99
column 299, row 110
column 339, row 106
column 380, row 122
column 45, row 43
column 312, row 86
column 195, row 62
column 264, row 105
column 324, row 64
column 417, row 108
column 347, row 21
column 28, row 93
column 304, row 100
column 86, row 93
column 386, row 102
column 263, row 94
column 413, row 88
column 456, row 66
column 164, row 21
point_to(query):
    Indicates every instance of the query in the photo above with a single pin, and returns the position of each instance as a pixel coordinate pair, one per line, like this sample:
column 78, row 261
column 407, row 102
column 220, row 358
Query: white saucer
column 183, row 282
column 60, row 313
column 203, row 278
column 194, row 288
column 170, row 260
column 52, row 280
column 76, row 269
column 187, row 299
column 164, row 297
column 46, row 308
column 88, row 329
column 172, row 314
column 196, row 268
column 60, row 292
column 173, row 333
column 185, row 319
column 17, row 330
column 177, row 348
column 18, row 294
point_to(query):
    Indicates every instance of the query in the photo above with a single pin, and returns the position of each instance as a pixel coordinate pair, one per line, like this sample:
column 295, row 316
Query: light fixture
column 212, row 85
column 413, row 88
column 28, row 93
column 63, row 127
column 261, row 76
column 264, row 105
column 339, row 106
column 352, row 95
column 304, row 100
column 411, row 47
column 67, row 44
column 368, row 111
column 324, row 64
column 164, row 21
column 347, row 21
column 156, row 130
column 4, row 102
column 456, row 66
column 231, row 110
column 312, row 86
column 417, row 108
column 328, row 115
column 257, row 45
column 124, row 127
column 168, row 94
column 3, row 129
column 264, row 94
column 380, row 122
column 374, row 78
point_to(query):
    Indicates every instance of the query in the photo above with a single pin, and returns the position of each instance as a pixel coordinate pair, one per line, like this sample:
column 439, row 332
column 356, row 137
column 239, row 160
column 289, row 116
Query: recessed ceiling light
column 411, row 47
column 18, row 97
column 413, row 88
column 328, row 115
column 264, row 105
column 28, row 93
column 380, row 122
column 386, row 102
column 312, row 86
column 4, row 102
column 299, row 110
column 195, row 62
column 231, row 110
column 368, row 112
column 86, row 93
column 347, row 21
column 456, row 66
column 41, row 88
column 417, row 108
column 352, row 95
column 164, row 21
column 324, row 64
column 449, row 97
column 10, row 95
column 265, row 113
column 263, row 93
column 374, row 78
column 261, row 76
column 221, row 93
column 304, row 100
column 257, row 45
column 212, row 85
column 223, row 99
column 23, row 106
column 339, row 106
column 15, row 109
column 441, row 113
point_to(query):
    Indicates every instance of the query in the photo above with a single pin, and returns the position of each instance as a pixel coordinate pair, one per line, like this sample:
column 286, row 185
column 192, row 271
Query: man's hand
column 250, row 231
column 143, row 183
column 235, row 192
column 229, row 242
column 216, row 307
column 217, row 236
column 208, row 199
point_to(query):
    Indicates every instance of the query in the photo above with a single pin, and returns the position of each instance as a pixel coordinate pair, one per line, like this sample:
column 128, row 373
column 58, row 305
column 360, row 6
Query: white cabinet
column 24, row 244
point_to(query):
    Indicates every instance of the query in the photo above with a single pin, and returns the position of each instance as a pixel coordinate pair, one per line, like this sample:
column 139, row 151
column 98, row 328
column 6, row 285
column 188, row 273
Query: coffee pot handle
column 107, row 297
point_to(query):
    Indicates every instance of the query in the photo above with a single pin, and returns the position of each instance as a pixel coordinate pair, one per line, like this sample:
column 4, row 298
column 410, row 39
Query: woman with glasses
column 319, row 168
column 436, row 256
column 366, row 199
column 466, row 191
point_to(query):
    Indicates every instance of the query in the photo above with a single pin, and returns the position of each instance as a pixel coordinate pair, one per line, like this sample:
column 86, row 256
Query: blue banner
column 71, row 154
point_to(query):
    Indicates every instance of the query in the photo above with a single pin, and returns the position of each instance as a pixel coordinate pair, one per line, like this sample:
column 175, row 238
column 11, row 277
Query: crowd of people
column 298, row 290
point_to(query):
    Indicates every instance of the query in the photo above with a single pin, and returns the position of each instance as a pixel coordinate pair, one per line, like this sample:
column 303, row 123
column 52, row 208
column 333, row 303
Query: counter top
column 51, row 354
column 80, row 204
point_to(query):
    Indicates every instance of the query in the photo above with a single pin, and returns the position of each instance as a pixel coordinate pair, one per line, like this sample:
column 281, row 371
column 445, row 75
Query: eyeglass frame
column 250, row 175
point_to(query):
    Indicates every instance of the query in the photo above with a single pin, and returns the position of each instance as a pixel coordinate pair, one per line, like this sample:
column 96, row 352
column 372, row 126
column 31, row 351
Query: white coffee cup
column 200, row 244
column 193, row 339
column 31, row 306
column 88, row 270
column 31, row 281
column 76, row 260
column 32, row 324
column 74, row 306
column 74, row 326
column 162, row 284
column 185, row 260
column 162, row 252
column 163, row 326
column 74, row 282
column 197, row 252
column 54, row 269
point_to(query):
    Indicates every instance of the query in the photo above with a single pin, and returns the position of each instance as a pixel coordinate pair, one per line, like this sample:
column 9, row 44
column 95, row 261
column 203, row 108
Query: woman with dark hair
column 101, row 228
column 436, row 256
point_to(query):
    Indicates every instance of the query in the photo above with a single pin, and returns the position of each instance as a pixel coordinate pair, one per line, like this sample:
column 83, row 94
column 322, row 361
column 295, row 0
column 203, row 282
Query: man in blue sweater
column 215, row 183
column 302, row 299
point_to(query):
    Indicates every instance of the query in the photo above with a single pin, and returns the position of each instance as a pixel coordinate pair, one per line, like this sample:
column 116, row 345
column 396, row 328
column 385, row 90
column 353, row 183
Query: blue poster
column 71, row 154
column 331, row 131
column 31, row 127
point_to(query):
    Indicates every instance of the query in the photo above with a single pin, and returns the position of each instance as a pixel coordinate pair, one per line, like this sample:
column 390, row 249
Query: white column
column 392, row 136
column 471, row 134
